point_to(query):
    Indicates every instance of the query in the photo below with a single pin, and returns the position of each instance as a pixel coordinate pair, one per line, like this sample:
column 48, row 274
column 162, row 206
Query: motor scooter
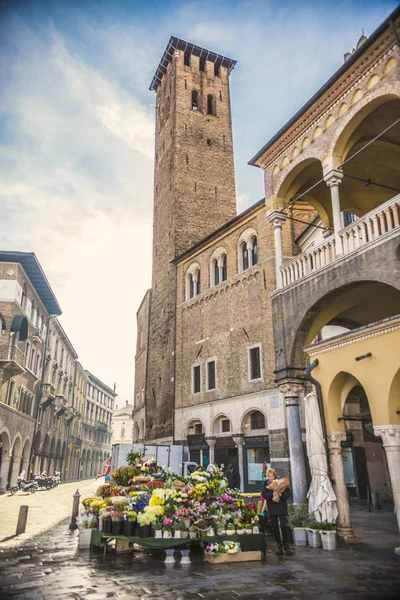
column 30, row 487
column 43, row 480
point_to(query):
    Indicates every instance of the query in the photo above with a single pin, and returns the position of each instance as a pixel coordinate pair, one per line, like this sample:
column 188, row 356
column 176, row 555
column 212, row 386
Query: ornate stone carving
column 276, row 218
column 334, row 177
column 390, row 435
column 291, row 389
column 334, row 441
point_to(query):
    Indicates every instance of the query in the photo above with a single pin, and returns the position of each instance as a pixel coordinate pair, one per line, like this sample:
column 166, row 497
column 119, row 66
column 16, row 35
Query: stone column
column 333, row 179
column 16, row 469
column 277, row 219
column 239, row 441
column 5, row 466
column 291, row 393
column 211, row 444
column 344, row 528
column 390, row 435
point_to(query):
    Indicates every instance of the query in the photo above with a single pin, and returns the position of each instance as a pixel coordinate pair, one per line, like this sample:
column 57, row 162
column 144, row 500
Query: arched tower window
column 245, row 256
column 193, row 284
column 195, row 100
column 218, row 267
column 254, row 250
column 216, row 271
column 210, row 105
column 224, row 268
column 247, row 249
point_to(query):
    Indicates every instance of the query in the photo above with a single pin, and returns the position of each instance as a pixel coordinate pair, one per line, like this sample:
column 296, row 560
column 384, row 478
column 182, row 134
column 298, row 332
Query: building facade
column 340, row 154
column 97, row 418
column 122, row 425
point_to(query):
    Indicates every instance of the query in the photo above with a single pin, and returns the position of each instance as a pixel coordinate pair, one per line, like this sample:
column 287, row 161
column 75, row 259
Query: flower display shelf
column 252, row 555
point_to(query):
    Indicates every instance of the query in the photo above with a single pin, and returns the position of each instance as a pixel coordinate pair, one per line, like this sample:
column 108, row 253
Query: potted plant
column 85, row 526
column 314, row 535
column 230, row 529
column 116, row 522
column 158, row 528
column 328, row 535
column 192, row 532
column 129, row 523
column 219, row 528
column 298, row 520
column 254, row 524
column 176, row 528
column 184, row 513
column 240, row 528
column 145, row 520
column 167, row 528
column 106, row 518
column 183, row 528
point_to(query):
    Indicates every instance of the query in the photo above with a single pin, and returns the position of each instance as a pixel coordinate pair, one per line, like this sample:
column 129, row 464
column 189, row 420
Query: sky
column 77, row 134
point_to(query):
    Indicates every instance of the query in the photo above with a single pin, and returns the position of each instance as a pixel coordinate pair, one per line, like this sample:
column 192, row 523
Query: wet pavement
column 51, row 567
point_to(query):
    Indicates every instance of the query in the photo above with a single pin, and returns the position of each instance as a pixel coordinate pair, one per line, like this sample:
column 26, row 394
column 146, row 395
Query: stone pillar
column 291, row 393
column 344, row 528
column 333, row 179
column 277, row 219
column 239, row 441
column 5, row 466
column 16, row 469
column 390, row 435
column 211, row 444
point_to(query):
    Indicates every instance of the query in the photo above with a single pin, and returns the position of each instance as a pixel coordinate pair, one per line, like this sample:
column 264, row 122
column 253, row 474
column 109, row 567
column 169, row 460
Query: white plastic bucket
column 328, row 540
column 84, row 538
column 314, row 538
column 299, row 536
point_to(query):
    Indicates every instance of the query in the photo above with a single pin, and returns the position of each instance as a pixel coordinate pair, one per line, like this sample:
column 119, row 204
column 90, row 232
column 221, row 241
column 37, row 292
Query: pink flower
column 167, row 522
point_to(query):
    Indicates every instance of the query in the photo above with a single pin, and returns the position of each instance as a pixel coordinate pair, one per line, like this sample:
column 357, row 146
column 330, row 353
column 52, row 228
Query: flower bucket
column 167, row 534
column 158, row 534
column 314, row 538
column 84, row 538
column 187, row 523
column 107, row 526
column 192, row 535
column 100, row 524
column 210, row 533
column 184, row 534
column 129, row 528
column 256, row 529
column 230, row 532
column 299, row 536
column 116, row 527
column 328, row 540
column 240, row 531
column 144, row 531
column 248, row 531
column 177, row 534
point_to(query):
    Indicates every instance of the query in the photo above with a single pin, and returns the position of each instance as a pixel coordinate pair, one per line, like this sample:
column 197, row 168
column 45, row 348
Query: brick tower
column 194, row 194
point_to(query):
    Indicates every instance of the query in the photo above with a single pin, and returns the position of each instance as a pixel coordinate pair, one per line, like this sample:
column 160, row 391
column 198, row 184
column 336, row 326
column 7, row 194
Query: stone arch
column 244, row 426
column 393, row 400
column 216, row 420
column 5, row 457
column 191, row 423
column 336, row 300
column 16, row 458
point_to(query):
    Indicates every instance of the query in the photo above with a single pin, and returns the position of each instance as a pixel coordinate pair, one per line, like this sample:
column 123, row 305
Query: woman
column 276, row 492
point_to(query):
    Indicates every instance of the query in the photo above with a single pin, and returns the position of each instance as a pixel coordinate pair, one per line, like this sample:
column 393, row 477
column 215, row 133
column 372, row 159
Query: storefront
column 226, row 452
column 199, row 451
column 255, row 452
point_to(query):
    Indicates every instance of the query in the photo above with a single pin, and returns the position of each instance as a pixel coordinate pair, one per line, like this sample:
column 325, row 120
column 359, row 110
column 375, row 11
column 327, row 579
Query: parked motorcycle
column 29, row 487
column 44, row 481
column 56, row 478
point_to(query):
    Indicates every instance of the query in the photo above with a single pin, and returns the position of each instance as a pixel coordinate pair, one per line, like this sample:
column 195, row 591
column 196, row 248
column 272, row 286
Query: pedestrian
column 264, row 471
column 276, row 492
column 199, row 468
column 233, row 477
column 212, row 468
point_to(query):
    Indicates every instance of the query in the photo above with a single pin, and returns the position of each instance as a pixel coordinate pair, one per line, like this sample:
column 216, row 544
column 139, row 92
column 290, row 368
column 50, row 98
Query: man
column 233, row 477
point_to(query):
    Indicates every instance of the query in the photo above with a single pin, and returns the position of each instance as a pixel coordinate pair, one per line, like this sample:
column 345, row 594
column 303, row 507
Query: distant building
column 121, row 425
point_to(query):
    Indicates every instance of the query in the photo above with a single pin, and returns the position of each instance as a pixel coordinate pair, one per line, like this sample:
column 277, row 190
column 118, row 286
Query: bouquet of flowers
column 232, row 547
column 278, row 486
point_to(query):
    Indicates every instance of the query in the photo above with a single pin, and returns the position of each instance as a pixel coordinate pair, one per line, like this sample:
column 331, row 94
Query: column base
column 346, row 535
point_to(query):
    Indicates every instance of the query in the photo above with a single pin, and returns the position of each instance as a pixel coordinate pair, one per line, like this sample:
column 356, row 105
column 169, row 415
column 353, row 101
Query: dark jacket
column 233, row 478
column 276, row 508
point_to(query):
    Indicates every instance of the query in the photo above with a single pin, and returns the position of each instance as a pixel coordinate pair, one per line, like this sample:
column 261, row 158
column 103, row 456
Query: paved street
column 46, row 509
column 51, row 567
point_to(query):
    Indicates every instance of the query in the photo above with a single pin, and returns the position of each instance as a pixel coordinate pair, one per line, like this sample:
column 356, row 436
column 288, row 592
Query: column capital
column 211, row 441
column 238, row 439
column 291, row 389
column 335, row 438
column 390, row 435
column 334, row 177
column 276, row 218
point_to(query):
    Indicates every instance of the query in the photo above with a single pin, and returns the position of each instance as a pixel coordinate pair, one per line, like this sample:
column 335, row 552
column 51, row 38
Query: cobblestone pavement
column 46, row 509
column 51, row 568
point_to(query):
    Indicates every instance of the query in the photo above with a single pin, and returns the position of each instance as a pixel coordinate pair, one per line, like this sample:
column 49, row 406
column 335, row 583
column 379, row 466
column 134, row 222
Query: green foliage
column 324, row 526
column 133, row 457
column 123, row 475
column 298, row 515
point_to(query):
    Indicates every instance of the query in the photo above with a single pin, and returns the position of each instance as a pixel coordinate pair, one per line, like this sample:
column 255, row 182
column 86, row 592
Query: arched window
column 224, row 268
column 257, row 420
column 210, row 105
column 254, row 251
column 218, row 266
column 216, row 271
column 195, row 100
column 245, row 256
column 193, row 283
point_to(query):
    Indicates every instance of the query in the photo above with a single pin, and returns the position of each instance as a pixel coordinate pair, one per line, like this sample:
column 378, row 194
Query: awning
column 20, row 324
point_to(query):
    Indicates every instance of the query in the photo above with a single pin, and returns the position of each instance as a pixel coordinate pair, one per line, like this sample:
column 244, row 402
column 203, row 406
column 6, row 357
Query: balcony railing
column 12, row 358
column 364, row 231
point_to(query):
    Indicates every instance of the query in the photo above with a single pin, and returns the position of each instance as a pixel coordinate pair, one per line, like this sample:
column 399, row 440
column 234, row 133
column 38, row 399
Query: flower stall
column 156, row 509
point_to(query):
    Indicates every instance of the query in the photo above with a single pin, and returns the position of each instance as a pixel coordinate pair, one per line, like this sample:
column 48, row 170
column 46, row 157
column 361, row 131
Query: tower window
column 210, row 105
column 254, row 363
column 211, row 375
column 217, row 69
column 196, row 379
column 202, row 64
column 186, row 59
column 220, row 95
column 254, row 251
column 195, row 100
column 245, row 256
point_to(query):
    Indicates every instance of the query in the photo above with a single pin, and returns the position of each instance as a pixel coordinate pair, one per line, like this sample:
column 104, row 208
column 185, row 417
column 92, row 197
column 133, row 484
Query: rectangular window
column 225, row 425
column 202, row 64
column 255, row 363
column 10, row 392
column 216, row 69
column 196, row 379
column 198, row 428
column 187, row 59
column 211, row 375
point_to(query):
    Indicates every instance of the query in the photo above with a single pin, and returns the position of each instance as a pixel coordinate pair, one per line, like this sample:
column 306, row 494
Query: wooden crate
column 233, row 558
